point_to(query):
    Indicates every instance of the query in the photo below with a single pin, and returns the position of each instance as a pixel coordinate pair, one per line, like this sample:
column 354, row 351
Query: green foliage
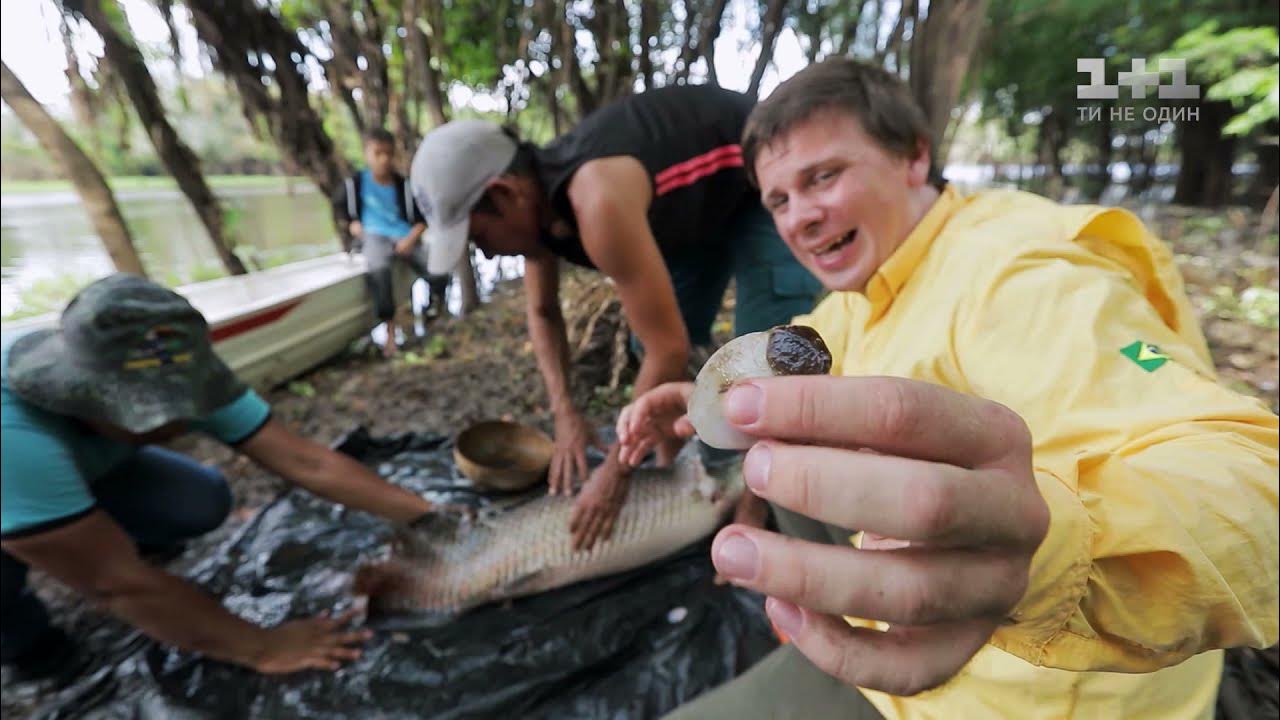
column 48, row 295
column 198, row 272
column 302, row 389
column 1255, row 305
column 436, row 347
column 211, row 122
column 1242, row 66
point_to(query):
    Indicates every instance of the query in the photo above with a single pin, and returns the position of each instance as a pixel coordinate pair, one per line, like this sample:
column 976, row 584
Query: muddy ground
column 482, row 367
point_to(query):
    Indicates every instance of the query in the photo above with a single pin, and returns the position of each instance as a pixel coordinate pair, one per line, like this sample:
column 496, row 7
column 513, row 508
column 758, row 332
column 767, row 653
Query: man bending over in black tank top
column 650, row 191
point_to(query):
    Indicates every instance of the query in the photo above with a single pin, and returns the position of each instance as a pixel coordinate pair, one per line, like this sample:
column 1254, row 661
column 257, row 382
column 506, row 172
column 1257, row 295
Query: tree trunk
column 849, row 35
column 466, row 275
column 709, row 30
column 893, row 44
column 181, row 163
column 648, row 29
column 771, row 27
column 941, row 51
column 1268, row 175
column 609, row 27
column 341, row 68
column 1096, row 180
column 1204, row 177
column 237, row 30
column 89, row 183
column 375, row 88
column 587, row 101
column 420, row 44
column 84, row 105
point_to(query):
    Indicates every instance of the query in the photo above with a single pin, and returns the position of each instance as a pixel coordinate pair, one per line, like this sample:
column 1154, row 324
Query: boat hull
column 274, row 325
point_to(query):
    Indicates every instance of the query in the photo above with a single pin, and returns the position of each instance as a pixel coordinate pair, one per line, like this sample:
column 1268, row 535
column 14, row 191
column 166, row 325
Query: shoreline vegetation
column 136, row 183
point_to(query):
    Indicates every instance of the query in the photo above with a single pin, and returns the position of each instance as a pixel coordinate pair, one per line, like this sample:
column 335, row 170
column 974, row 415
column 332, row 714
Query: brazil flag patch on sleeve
column 1145, row 355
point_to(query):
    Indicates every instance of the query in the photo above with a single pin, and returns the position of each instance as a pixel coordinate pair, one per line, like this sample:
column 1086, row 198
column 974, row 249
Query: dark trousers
column 784, row 685
column 772, row 286
column 379, row 252
column 158, row 496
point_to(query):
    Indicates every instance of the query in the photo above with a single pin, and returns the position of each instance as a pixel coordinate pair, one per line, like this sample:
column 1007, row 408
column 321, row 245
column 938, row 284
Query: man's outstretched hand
column 941, row 483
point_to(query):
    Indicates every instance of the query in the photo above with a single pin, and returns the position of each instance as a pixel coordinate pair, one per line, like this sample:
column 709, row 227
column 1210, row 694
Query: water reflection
column 49, row 247
column 48, row 237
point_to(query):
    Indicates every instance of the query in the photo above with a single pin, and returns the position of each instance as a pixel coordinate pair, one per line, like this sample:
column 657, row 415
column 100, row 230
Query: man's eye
column 776, row 203
column 825, row 175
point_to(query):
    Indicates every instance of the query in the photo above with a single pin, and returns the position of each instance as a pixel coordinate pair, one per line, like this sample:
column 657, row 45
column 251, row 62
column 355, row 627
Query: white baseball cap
column 451, row 169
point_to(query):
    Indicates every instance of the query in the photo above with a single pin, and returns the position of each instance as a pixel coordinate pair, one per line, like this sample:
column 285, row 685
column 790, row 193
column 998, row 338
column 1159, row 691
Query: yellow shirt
column 1161, row 484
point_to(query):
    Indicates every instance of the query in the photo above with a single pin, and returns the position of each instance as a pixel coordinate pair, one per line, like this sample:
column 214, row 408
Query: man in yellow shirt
column 1063, row 514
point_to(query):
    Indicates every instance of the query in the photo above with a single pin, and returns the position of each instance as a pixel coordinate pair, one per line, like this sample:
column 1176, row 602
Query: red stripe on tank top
column 696, row 168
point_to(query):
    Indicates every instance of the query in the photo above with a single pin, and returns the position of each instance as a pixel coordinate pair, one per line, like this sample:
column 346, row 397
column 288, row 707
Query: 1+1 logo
column 1139, row 80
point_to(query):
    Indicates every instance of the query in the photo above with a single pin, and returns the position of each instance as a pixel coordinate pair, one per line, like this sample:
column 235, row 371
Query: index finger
column 891, row 415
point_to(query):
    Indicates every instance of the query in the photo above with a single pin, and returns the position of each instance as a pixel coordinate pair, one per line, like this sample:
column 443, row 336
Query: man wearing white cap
column 650, row 191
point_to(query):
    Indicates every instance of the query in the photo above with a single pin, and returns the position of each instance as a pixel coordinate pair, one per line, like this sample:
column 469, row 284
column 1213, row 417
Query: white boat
column 273, row 325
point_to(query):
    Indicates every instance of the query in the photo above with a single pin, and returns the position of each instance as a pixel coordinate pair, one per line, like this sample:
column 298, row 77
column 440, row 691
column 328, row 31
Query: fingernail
column 737, row 557
column 755, row 469
column 785, row 615
column 742, row 404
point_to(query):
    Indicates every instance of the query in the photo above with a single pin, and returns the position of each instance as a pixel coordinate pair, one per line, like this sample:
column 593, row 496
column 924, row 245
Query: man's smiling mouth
column 837, row 243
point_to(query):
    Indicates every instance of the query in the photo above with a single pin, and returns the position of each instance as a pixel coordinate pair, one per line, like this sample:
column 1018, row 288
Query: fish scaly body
column 454, row 564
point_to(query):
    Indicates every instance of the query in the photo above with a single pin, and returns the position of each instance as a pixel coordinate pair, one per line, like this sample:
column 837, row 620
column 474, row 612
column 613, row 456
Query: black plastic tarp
column 633, row 645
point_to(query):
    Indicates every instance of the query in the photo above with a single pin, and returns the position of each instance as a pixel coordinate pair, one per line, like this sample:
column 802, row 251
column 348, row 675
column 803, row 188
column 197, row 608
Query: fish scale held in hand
column 453, row 564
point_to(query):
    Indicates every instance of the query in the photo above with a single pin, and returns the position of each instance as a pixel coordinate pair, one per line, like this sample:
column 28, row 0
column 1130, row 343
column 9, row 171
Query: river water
column 49, row 247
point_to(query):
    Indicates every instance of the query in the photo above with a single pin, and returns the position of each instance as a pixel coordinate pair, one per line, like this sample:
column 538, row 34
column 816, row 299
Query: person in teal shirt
column 87, row 489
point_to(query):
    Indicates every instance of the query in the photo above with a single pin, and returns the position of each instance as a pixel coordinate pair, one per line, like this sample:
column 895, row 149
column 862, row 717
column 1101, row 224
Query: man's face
column 841, row 202
column 380, row 157
column 506, row 223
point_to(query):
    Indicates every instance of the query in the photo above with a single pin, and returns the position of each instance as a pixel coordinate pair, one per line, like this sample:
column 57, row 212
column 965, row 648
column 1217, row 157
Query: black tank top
column 686, row 137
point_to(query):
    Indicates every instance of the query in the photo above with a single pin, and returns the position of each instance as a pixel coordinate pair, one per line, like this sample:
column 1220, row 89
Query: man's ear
column 505, row 190
column 918, row 171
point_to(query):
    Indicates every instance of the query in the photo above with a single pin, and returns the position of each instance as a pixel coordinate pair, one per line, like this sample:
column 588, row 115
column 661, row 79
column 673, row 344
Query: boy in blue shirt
column 86, row 484
column 380, row 211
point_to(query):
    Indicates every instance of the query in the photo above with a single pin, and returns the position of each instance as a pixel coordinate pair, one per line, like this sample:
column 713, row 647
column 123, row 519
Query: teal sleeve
column 237, row 421
column 40, row 485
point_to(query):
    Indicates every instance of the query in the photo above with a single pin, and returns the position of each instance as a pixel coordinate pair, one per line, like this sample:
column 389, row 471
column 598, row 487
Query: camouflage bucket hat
column 126, row 351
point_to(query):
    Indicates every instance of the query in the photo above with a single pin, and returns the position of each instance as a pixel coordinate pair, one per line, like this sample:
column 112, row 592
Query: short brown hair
column 881, row 103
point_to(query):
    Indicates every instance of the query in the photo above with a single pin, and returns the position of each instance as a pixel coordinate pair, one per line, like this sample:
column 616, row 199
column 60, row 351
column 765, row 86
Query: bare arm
column 611, row 199
column 547, row 329
column 407, row 244
column 551, row 349
column 330, row 474
column 96, row 558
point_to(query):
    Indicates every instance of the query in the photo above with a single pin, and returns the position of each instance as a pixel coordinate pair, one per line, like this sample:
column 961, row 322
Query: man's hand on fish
column 319, row 643
column 573, row 433
column 652, row 420
column 947, row 500
column 597, row 506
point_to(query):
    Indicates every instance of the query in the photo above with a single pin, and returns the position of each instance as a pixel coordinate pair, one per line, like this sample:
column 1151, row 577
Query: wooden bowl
column 503, row 456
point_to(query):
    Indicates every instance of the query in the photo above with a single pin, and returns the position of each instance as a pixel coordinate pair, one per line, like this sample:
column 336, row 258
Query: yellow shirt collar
column 893, row 274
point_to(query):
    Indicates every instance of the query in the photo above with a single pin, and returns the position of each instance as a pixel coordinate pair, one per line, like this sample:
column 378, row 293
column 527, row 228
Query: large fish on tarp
column 453, row 563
